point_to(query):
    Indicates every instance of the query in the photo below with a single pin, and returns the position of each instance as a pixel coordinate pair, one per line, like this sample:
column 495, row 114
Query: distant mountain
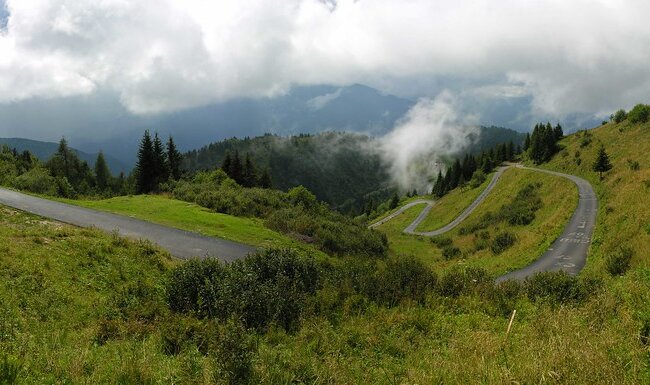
column 45, row 150
column 303, row 110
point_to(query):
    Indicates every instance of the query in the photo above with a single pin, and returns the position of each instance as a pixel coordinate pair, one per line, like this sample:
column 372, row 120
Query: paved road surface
column 466, row 213
column 180, row 243
column 569, row 251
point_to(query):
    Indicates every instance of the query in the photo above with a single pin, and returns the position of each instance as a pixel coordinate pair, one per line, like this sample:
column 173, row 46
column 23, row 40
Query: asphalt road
column 466, row 213
column 180, row 243
column 567, row 253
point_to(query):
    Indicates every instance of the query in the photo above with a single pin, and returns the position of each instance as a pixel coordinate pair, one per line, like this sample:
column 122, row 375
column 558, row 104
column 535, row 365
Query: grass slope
column 61, row 285
column 188, row 216
column 451, row 205
column 624, row 193
column 559, row 200
column 559, row 197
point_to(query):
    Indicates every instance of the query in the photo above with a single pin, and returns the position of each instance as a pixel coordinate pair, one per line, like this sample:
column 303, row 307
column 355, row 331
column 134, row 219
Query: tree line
column 473, row 168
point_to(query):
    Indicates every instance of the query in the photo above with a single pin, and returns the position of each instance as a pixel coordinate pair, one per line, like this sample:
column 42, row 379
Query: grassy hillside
column 624, row 193
column 559, row 199
column 451, row 205
column 83, row 307
column 192, row 217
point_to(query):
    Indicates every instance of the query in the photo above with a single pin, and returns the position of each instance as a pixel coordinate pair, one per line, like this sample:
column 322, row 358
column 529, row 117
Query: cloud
column 430, row 130
column 587, row 56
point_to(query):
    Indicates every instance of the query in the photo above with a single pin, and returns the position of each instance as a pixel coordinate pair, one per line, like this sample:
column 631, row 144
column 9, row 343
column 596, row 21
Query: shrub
column 234, row 354
column 633, row 165
column 264, row 288
column 639, row 114
column 521, row 211
column 477, row 179
column 504, row 296
column 502, row 242
column 9, row 370
column 459, row 281
column 402, row 279
column 619, row 116
column 64, row 189
column 619, row 262
column 450, row 252
column 441, row 242
column 36, row 180
column 558, row 287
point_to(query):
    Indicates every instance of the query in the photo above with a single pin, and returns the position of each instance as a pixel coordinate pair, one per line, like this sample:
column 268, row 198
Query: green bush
column 450, row 252
column 267, row 287
column 558, row 287
column 504, row 296
column 639, row 114
column 235, row 351
column 619, row 262
column 9, row 370
column 64, row 189
column 459, row 281
column 502, row 242
column 619, row 116
column 36, row 180
column 477, row 179
column 441, row 242
column 399, row 279
column 521, row 211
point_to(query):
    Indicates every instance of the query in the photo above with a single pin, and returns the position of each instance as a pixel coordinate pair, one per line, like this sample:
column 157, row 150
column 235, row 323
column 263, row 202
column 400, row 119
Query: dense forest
column 337, row 167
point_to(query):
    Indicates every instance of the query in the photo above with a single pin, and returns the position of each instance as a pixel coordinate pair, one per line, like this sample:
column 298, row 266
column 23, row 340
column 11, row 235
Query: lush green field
column 189, row 216
column 451, row 205
column 80, row 306
column 559, row 199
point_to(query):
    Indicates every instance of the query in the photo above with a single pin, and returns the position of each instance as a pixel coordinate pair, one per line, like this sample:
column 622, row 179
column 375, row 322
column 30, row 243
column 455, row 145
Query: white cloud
column 431, row 129
column 571, row 56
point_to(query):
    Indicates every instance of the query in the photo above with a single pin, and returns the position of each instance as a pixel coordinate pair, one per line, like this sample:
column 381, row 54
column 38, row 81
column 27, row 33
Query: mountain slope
column 45, row 150
column 624, row 215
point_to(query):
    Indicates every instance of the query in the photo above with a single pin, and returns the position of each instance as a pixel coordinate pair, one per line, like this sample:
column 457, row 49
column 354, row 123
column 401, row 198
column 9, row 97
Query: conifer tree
column 174, row 159
column 236, row 169
column 227, row 164
column 527, row 142
column 161, row 172
column 102, row 173
column 249, row 177
column 602, row 163
column 394, row 201
column 265, row 179
column 146, row 167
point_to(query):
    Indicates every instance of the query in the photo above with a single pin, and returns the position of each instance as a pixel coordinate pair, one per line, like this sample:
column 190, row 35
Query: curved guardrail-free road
column 180, row 243
column 567, row 253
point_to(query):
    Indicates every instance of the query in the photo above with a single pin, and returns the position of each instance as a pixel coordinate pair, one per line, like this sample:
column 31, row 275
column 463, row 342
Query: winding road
column 567, row 253
column 180, row 243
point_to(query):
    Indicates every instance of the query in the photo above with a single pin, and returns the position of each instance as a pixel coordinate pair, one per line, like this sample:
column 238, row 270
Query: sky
column 583, row 58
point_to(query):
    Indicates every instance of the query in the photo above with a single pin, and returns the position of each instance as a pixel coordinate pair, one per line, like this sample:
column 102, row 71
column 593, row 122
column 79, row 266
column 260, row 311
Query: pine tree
column 558, row 133
column 174, row 159
column 161, row 168
column 394, row 201
column 146, row 167
column 249, row 177
column 527, row 142
column 265, row 179
column 510, row 151
column 602, row 163
column 102, row 173
column 236, row 168
column 439, row 186
column 227, row 164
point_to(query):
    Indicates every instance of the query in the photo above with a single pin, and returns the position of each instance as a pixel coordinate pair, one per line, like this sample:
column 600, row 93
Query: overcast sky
column 585, row 57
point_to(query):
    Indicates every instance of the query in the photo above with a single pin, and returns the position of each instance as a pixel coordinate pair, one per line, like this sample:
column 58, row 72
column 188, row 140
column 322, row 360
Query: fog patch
column 430, row 131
